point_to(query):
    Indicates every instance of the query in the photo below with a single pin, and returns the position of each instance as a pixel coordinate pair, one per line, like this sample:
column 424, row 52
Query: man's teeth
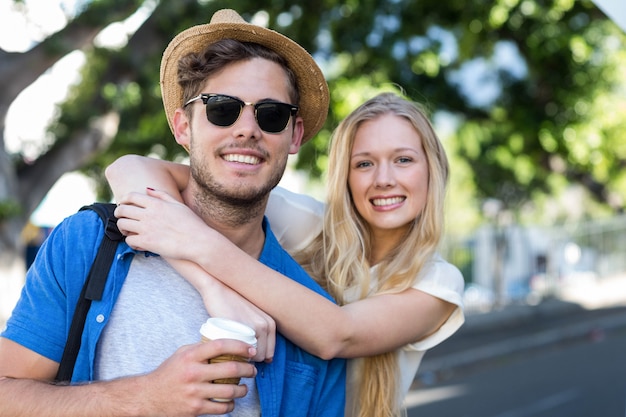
column 244, row 159
column 387, row 201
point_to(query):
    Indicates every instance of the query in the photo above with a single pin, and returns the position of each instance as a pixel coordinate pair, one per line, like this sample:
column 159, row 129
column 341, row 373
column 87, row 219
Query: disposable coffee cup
column 219, row 328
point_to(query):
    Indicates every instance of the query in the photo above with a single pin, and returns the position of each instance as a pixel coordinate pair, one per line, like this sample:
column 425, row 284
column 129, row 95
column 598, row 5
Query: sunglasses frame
column 293, row 109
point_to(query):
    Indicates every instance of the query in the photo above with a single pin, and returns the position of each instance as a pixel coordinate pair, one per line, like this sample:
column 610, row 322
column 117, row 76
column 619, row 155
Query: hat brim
column 312, row 86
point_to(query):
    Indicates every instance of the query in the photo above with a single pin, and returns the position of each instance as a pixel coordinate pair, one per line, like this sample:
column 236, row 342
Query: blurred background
column 528, row 97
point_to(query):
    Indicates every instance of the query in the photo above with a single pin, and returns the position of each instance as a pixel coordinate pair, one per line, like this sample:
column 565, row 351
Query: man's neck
column 242, row 225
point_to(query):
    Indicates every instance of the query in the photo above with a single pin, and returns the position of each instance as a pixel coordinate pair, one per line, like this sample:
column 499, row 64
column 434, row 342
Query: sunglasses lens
column 223, row 111
column 273, row 117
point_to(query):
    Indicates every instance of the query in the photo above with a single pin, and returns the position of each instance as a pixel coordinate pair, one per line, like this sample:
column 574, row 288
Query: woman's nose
column 384, row 177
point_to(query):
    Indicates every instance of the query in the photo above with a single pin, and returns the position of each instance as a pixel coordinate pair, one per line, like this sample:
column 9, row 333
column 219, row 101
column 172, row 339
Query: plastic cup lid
column 221, row 328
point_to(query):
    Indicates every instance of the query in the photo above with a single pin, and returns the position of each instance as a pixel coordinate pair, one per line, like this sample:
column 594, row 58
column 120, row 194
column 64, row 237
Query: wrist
column 206, row 242
column 132, row 395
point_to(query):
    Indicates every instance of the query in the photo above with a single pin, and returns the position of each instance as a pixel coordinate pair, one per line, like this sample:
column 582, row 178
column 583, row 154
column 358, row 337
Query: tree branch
column 37, row 179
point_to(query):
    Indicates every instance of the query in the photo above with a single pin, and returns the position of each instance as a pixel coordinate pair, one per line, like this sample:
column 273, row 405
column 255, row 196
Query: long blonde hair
column 339, row 258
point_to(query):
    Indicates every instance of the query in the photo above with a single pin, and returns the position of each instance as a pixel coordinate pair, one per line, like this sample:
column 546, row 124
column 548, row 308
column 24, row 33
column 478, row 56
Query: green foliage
column 9, row 208
column 554, row 124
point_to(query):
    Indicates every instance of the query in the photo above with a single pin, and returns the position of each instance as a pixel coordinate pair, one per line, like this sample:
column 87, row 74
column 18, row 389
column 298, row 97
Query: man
column 228, row 89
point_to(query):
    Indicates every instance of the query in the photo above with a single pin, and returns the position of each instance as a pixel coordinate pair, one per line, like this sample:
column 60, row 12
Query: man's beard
column 231, row 205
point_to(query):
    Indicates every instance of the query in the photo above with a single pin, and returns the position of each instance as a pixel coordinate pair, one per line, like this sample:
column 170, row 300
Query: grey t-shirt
column 157, row 312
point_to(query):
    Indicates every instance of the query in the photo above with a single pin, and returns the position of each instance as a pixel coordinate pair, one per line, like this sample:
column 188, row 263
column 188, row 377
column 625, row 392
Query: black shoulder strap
column 93, row 287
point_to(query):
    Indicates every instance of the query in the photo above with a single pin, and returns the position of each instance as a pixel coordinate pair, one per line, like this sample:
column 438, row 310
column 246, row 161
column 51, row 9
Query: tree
column 548, row 125
column 542, row 129
column 23, row 185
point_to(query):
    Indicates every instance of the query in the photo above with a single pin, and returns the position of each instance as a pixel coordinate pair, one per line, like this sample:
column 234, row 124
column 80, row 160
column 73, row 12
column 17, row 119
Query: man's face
column 240, row 163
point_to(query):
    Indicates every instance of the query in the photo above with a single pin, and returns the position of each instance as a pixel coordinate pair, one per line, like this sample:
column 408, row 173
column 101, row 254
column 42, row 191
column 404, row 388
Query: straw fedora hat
column 228, row 24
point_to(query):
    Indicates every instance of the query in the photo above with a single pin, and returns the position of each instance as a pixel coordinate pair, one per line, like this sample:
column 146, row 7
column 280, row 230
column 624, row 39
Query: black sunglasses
column 223, row 110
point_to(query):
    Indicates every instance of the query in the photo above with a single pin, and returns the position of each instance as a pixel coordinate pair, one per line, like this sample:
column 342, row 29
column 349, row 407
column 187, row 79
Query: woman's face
column 388, row 176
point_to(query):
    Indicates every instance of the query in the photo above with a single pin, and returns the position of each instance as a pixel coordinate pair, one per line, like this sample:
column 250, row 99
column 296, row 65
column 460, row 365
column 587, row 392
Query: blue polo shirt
column 295, row 383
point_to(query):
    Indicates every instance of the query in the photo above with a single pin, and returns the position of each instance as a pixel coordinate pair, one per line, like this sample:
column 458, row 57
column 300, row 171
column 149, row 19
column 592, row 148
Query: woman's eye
column 404, row 159
column 363, row 164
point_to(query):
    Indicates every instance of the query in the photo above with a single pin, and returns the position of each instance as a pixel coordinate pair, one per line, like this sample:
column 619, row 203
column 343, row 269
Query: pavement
column 583, row 311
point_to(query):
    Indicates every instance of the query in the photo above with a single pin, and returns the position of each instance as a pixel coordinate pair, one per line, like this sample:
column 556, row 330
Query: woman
column 377, row 254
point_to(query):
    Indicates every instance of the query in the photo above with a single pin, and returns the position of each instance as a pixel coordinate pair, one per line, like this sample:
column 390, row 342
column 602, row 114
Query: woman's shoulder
column 438, row 263
column 441, row 273
column 296, row 219
column 296, row 201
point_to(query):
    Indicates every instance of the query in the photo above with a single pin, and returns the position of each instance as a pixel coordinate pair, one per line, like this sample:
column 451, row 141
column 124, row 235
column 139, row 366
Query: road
column 583, row 378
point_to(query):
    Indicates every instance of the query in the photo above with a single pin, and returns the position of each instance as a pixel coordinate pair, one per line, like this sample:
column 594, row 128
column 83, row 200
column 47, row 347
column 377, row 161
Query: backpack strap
column 93, row 287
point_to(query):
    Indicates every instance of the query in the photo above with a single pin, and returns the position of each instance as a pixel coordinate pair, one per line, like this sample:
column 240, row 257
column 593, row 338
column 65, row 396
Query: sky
column 615, row 9
column 25, row 128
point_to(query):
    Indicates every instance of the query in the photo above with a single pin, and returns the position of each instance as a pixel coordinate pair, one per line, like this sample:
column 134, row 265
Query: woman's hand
column 222, row 301
column 230, row 304
column 158, row 223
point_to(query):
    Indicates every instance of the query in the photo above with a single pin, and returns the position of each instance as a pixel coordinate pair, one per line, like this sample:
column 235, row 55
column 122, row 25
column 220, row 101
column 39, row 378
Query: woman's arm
column 134, row 173
column 222, row 301
column 218, row 299
column 377, row 324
